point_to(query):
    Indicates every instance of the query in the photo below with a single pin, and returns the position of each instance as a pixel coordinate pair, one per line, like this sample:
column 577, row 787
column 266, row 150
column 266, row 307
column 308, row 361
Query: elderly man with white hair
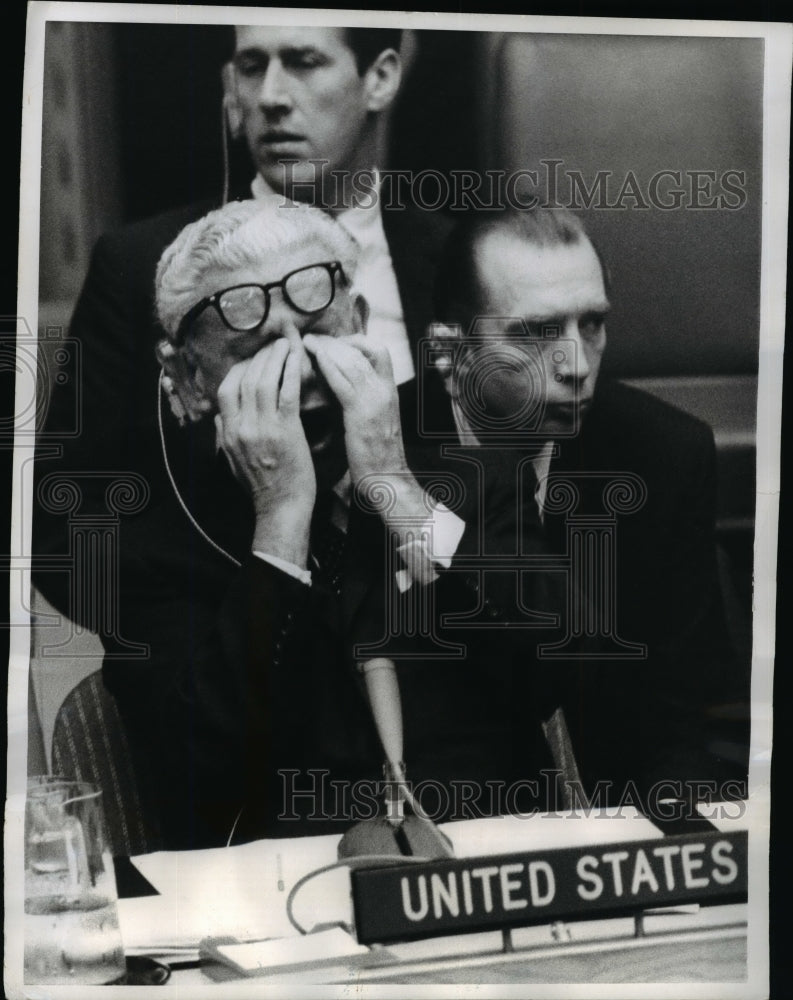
column 250, row 578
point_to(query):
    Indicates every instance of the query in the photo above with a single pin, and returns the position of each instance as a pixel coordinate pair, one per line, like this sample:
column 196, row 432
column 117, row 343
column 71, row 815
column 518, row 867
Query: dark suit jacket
column 250, row 677
column 644, row 681
column 666, row 706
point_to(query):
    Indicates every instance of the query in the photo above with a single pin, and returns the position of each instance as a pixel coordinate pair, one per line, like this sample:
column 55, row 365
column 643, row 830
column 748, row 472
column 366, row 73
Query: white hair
column 239, row 234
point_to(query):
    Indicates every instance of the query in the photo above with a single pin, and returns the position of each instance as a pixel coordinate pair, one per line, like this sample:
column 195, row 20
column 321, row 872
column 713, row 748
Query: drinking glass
column 71, row 917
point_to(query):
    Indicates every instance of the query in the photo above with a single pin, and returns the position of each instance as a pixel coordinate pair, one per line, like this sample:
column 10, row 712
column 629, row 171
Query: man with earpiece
column 249, row 577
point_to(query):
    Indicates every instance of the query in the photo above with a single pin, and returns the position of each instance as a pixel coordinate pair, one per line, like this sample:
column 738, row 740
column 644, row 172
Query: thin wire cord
column 225, row 143
column 79, row 798
column 175, row 488
column 234, row 827
column 357, row 862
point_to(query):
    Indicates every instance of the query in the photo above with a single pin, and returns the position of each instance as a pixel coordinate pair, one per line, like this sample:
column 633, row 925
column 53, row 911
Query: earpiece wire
column 175, row 488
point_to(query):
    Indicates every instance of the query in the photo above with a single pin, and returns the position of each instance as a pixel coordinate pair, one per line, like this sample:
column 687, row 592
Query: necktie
column 537, row 683
column 328, row 548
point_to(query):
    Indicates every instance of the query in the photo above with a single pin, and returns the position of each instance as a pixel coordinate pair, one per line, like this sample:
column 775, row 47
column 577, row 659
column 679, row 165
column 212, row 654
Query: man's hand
column 262, row 435
column 359, row 374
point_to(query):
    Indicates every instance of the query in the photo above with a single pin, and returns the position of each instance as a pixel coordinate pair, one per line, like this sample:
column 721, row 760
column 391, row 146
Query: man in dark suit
column 587, row 575
column 247, row 575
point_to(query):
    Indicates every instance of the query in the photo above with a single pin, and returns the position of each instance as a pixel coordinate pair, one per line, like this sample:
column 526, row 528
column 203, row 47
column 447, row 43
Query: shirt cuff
column 292, row 569
column 435, row 544
column 447, row 530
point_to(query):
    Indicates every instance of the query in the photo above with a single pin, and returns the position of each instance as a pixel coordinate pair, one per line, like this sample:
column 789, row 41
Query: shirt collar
column 260, row 189
column 363, row 222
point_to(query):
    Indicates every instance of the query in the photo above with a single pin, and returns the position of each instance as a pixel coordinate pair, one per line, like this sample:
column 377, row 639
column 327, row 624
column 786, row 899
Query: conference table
column 211, row 916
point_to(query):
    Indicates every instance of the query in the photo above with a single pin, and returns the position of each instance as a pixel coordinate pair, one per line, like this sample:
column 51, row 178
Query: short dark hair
column 458, row 290
column 368, row 43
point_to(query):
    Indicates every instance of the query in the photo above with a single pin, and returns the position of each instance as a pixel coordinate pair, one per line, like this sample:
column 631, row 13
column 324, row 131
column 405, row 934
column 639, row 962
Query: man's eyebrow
column 286, row 51
column 250, row 52
column 558, row 319
column 299, row 51
column 599, row 310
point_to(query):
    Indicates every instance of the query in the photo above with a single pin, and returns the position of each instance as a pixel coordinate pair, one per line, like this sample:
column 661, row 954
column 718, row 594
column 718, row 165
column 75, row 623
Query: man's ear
column 182, row 383
column 382, row 80
column 446, row 344
column 360, row 311
column 231, row 101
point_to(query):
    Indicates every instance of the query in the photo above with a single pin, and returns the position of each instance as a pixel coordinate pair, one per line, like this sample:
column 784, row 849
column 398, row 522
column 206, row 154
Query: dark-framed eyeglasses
column 244, row 308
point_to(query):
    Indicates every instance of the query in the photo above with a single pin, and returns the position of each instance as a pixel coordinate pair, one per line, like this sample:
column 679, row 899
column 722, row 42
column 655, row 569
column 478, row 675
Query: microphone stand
column 395, row 833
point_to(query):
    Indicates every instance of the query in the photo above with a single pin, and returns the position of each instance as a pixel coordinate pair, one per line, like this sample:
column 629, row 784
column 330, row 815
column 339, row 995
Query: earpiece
column 177, row 408
column 232, row 110
column 445, row 340
column 178, row 382
column 231, row 121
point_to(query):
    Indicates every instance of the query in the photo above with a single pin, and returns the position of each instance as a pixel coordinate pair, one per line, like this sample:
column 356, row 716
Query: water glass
column 72, row 934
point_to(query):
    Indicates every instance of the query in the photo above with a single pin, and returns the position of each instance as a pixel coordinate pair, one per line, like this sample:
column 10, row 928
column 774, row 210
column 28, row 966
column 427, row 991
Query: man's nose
column 274, row 91
column 285, row 326
column 571, row 360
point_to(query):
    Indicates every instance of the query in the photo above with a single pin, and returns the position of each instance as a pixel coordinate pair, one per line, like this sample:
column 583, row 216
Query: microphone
column 413, row 835
column 382, row 687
